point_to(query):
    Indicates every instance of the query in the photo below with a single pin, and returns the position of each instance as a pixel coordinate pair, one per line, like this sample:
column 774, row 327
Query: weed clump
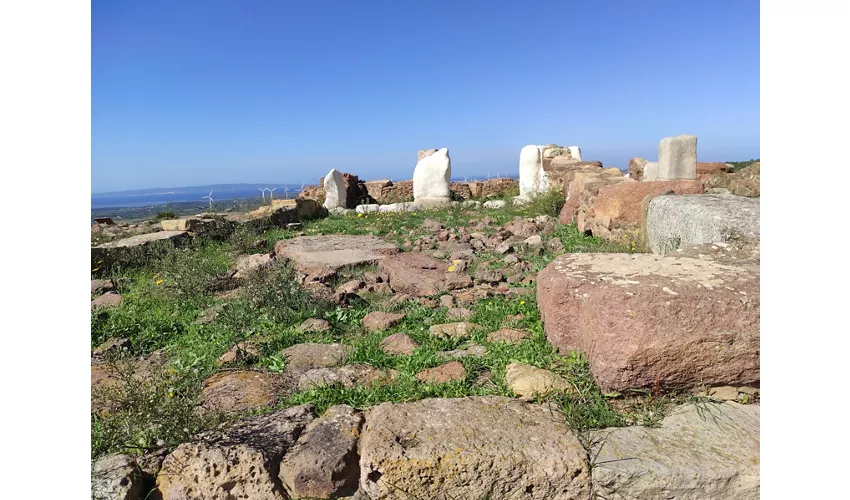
column 168, row 214
column 142, row 414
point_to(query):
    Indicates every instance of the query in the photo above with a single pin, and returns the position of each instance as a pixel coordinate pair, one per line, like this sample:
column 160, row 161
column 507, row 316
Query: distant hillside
column 738, row 165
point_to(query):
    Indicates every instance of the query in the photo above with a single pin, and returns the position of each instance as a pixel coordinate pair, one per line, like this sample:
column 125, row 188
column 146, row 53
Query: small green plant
column 168, row 214
column 548, row 203
column 275, row 363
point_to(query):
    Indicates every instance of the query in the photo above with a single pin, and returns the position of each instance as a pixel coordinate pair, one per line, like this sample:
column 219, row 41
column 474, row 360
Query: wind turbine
column 488, row 176
column 271, row 196
column 263, row 192
column 285, row 191
column 209, row 196
column 466, row 179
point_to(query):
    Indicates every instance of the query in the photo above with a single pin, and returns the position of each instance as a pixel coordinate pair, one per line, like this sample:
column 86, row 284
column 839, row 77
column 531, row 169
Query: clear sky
column 198, row 92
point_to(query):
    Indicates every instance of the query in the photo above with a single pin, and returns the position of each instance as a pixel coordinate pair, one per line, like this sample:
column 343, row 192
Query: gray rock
column 495, row 204
column 453, row 330
column 116, row 477
column 458, row 314
column 677, row 221
column 478, row 447
column 699, row 451
column 475, row 351
column 347, row 376
column 677, row 158
column 488, row 276
column 247, row 263
column 240, row 462
column 324, row 462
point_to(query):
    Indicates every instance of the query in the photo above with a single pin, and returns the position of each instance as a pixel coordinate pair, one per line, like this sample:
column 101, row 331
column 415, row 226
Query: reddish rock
column 378, row 320
column 614, row 213
column 108, row 300
column 356, row 192
column 98, row 286
column 453, row 370
column 645, row 320
column 415, row 274
column 708, row 168
column 745, row 182
column 460, row 191
column 399, row 343
column 522, row 227
column 573, row 189
column 321, row 256
column 499, row 187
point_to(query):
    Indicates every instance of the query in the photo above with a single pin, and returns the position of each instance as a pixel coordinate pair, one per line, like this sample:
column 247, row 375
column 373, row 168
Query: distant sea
column 127, row 199
column 222, row 192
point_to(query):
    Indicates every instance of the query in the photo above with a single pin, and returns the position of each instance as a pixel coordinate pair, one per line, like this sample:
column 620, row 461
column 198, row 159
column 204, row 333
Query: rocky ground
column 416, row 355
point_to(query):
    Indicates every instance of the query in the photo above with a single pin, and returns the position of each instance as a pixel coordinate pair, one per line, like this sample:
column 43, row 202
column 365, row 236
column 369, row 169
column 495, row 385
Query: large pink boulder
column 645, row 320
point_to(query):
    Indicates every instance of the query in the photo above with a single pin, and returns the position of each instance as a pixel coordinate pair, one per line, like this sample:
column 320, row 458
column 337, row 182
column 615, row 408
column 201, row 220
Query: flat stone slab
column 677, row 221
column 415, row 274
column 333, row 252
column 477, row 447
column 143, row 239
column 645, row 320
column 699, row 451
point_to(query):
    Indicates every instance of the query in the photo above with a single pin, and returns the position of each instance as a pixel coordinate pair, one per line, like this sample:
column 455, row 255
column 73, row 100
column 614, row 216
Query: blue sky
column 205, row 92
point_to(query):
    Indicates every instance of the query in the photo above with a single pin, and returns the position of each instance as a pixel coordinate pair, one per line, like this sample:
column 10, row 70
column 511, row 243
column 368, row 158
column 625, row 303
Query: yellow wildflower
column 170, row 394
column 521, row 302
column 451, row 269
column 159, row 282
column 359, row 215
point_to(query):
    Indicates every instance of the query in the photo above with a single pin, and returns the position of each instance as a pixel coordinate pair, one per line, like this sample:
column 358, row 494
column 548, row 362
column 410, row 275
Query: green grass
column 165, row 295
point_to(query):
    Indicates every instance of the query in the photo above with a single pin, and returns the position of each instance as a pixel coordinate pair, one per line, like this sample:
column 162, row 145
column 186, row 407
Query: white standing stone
column 335, row 195
column 677, row 158
column 368, row 208
column 650, row 171
column 575, row 152
column 432, row 176
column 532, row 178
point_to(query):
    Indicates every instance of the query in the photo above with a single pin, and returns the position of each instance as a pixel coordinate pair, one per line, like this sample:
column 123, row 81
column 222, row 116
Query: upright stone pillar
column 532, row 178
column 335, row 194
column 432, row 177
column 677, row 158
